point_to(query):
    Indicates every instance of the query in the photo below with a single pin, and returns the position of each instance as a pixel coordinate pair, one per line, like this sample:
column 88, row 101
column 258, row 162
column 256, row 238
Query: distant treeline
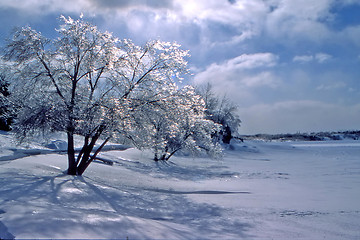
column 318, row 136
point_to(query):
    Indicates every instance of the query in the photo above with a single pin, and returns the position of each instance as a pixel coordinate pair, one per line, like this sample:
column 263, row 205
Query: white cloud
column 239, row 69
column 299, row 19
column 303, row 58
column 222, row 11
column 128, row 4
column 299, row 116
column 322, row 57
column 248, row 61
column 242, row 76
column 336, row 81
column 262, row 79
column 348, row 2
column 77, row 6
column 284, row 20
column 351, row 34
column 39, row 7
column 332, row 86
column 246, row 18
column 319, row 57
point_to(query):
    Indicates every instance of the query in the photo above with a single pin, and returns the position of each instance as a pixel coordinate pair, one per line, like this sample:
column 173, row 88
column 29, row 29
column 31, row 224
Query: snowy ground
column 259, row 190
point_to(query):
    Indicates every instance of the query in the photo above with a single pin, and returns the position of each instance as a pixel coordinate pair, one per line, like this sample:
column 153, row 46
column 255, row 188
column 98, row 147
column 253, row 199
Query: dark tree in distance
column 223, row 112
column 5, row 106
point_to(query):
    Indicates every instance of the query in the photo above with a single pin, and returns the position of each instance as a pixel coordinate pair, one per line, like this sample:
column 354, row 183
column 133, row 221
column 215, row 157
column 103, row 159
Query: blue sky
column 290, row 65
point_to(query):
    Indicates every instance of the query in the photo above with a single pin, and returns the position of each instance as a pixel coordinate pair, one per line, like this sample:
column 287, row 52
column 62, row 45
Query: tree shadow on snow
column 170, row 206
column 4, row 233
column 55, row 205
column 169, row 169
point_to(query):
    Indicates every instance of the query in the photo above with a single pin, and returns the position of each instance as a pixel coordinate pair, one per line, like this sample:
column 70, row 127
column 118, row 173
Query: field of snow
column 259, row 190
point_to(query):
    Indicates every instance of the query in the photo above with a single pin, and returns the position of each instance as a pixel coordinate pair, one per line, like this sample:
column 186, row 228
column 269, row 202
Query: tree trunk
column 171, row 154
column 227, row 135
column 71, row 154
column 70, row 127
column 86, row 144
column 79, row 165
column 87, row 158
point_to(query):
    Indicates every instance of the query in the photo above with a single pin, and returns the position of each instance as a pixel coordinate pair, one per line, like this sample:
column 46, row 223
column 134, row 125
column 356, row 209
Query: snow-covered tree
column 222, row 111
column 176, row 123
column 87, row 82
